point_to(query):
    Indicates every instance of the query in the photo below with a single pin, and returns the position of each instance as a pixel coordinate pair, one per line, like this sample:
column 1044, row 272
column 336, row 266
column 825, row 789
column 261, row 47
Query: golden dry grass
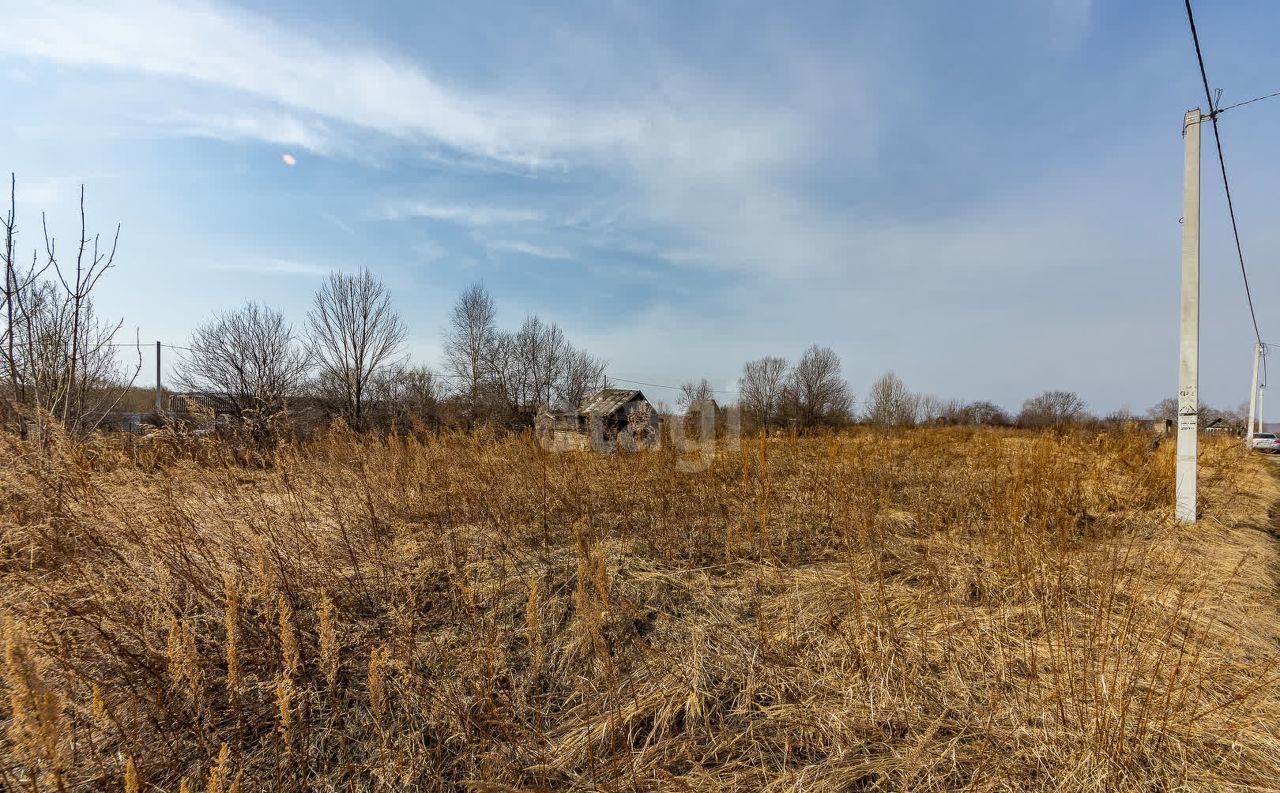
column 927, row 610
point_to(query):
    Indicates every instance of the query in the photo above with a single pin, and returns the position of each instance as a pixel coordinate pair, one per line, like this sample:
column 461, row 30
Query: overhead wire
column 1248, row 102
column 1222, row 164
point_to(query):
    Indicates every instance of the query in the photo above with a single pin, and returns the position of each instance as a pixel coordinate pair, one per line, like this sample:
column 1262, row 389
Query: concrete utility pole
column 1262, row 391
column 158, row 409
column 1253, row 397
column 1189, row 331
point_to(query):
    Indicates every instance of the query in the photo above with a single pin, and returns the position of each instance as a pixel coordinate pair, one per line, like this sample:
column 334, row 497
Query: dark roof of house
column 607, row 400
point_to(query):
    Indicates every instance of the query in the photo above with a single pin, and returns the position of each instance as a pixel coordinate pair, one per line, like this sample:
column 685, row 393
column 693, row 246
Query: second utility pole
column 1253, row 397
column 1189, row 324
column 157, row 378
column 1262, row 391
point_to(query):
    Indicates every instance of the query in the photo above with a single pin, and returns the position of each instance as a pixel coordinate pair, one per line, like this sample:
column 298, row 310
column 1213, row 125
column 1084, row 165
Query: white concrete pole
column 158, row 378
column 1189, row 330
column 1262, row 391
column 1253, row 397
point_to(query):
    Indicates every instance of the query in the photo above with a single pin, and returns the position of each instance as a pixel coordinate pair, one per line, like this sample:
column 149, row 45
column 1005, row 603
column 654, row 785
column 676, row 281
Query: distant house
column 612, row 418
column 1162, row 426
column 1222, row 426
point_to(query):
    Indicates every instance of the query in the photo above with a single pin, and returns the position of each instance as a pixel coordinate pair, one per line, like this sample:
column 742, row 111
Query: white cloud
column 462, row 214
column 691, row 157
column 527, row 248
column 268, row 126
column 247, row 53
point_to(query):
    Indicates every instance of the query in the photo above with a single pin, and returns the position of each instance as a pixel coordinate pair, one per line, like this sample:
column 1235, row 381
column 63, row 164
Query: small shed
column 612, row 418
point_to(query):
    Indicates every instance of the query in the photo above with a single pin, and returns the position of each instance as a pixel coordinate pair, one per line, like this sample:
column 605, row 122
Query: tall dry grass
column 928, row 610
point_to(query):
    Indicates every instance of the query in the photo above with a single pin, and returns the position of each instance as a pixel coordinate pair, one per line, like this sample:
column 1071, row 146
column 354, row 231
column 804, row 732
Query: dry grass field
column 920, row 610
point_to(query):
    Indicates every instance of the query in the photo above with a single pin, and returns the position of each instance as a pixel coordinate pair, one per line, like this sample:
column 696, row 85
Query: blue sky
column 983, row 197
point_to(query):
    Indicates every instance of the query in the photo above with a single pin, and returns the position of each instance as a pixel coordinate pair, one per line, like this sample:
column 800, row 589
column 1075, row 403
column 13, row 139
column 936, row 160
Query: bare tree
column 1051, row 409
column 86, row 276
column 989, row 413
column 10, row 291
column 540, row 352
column 49, row 330
column 931, row 408
column 890, row 403
column 248, row 361
column 404, row 395
column 761, row 388
column 354, row 334
column 17, row 282
column 583, row 374
column 60, row 354
column 816, row 393
column 981, row 413
column 1166, row 408
column 692, row 393
column 469, row 344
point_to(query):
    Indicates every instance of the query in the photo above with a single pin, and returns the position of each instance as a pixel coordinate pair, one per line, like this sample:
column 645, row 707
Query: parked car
column 1265, row 442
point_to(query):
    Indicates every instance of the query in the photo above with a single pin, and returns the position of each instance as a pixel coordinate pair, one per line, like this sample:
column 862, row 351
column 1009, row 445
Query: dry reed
column 921, row 610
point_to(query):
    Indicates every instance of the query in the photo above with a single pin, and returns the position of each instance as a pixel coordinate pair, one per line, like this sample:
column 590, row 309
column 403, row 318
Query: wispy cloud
column 687, row 156
column 274, row 267
column 267, row 125
column 527, row 249
column 247, row 53
column 462, row 214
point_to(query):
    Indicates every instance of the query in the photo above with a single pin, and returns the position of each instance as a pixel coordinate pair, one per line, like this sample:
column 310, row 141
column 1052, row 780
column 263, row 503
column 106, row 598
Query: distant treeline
column 65, row 363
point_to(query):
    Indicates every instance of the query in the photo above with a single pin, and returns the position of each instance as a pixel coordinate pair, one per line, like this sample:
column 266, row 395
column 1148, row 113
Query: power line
column 1247, row 102
column 1226, row 185
column 660, row 385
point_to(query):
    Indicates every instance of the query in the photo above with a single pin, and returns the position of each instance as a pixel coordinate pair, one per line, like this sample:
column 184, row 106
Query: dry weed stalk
column 231, row 627
column 379, row 662
column 36, row 725
column 183, row 658
column 533, row 626
column 289, row 653
column 218, row 774
column 329, row 652
column 132, row 782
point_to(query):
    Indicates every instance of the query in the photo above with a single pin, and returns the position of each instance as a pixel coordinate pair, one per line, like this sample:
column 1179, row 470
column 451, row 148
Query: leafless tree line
column 349, row 361
column 891, row 403
column 507, row 377
column 811, row 393
column 59, row 355
column 250, row 363
column 60, row 358
column 772, row 393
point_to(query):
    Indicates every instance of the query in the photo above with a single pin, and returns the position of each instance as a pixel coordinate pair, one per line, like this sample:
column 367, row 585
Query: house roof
column 607, row 400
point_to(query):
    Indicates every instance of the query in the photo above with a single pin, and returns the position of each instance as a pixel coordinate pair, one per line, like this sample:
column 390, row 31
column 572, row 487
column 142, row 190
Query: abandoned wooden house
column 612, row 418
